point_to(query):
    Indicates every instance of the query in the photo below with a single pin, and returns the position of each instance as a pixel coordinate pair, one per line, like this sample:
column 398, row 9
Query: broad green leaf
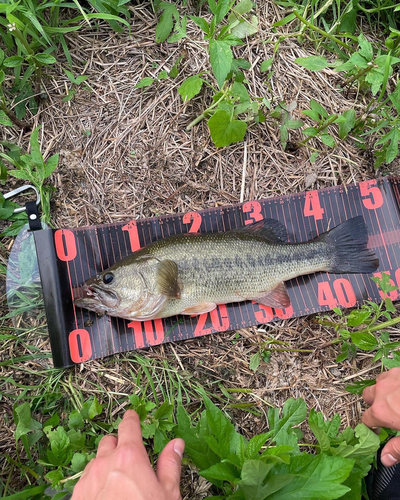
column 61, row 452
column 225, row 131
column 163, row 75
column 25, row 423
column 395, row 97
column 322, row 437
column 314, row 115
column 358, row 317
column 330, row 427
column 246, row 27
column 79, row 461
column 255, row 361
column 238, row 89
column 313, row 157
column 90, row 409
column 393, row 148
column 45, row 59
column 366, row 50
column 317, row 477
column 364, row 340
column 201, row 23
column 222, row 9
column 265, row 65
column 51, row 165
column 256, row 443
column 243, row 7
column 294, row 412
column 4, row 120
column 222, row 472
column 346, row 126
column 254, row 484
column 179, row 30
column 392, row 362
column 144, row 82
column 313, row 63
column 328, row 140
column 75, row 420
column 2, row 76
column 190, row 87
column 77, row 439
column 1, row 56
column 316, row 106
column 310, row 131
column 368, row 443
column 358, row 386
column 358, row 60
column 55, row 476
column 163, row 411
column 13, row 61
column 294, row 124
column 166, row 22
column 221, row 58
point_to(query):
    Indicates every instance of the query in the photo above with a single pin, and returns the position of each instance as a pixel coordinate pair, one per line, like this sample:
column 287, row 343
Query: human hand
column 384, row 398
column 122, row 468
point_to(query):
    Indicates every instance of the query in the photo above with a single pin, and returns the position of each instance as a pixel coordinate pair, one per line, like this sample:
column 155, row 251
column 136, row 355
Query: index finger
column 370, row 420
column 129, row 430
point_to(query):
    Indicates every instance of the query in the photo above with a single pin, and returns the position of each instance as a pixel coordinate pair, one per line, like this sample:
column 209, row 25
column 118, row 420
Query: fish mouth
column 97, row 299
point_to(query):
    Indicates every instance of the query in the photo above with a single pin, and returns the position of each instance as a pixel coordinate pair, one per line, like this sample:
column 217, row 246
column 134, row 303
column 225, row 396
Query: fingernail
column 389, row 460
column 179, row 447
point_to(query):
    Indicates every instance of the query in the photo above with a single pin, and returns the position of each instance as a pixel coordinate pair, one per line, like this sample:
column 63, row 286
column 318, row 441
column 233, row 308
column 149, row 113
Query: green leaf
column 364, row 340
column 61, row 452
column 246, row 27
column 25, row 423
column 256, row 443
column 314, row 115
column 330, row 427
column 395, row 97
column 328, row 140
column 221, row 10
column 316, row 477
column 238, row 89
column 166, row 23
column 254, row 484
column 294, row 124
column 294, row 412
column 322, row 437
column 164, row 411
column 346, row 126
column 316, row 106
column 357, row 60
column 358, row 386
column 313, row 157
column 313, row 63
column 190, row 87
column 79, row 461
column 221, row 58
column 366, row 49
column 55, row 476
column 91, row 408
column 144, row 82
column 179, row 30
column 45, row 59
column 393, row 148
column 75, row 420
column 1, row 56
column 222, row 472
column 13, row 61
column 201, row 23
column 265, row 65
column 163, row 75
column 358, row 317
column 310, row 131
column 51, row 165
column 225, row 131
column 4, row 120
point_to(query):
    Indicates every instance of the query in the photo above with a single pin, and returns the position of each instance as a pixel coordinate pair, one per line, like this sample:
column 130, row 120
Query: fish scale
column 192, row 273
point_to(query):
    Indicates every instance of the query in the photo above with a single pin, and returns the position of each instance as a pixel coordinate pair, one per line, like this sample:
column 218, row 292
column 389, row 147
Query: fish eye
column 107, row 278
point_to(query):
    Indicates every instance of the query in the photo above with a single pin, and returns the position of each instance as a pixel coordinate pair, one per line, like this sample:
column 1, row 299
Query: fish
column 192, row 273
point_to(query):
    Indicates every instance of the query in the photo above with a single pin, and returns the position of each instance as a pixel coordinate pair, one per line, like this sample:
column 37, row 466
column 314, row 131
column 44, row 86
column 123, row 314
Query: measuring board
column 68, row 257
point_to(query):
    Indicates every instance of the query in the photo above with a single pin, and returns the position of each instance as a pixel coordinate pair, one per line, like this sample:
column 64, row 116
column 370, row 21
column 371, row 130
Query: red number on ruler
column 285, row 313
column 65, row 243
column 253, row 208
column 80, row 345
column 312, row 206
column 345, row 295
column 371, row 194
column 154, row 330
column 264, row 313
column 219, row 318
column 195, row 219
column 133, row 234
column 393, row 295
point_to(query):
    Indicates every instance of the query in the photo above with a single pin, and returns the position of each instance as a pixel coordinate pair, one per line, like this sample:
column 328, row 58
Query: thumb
column 391, row 452
column 169, row 466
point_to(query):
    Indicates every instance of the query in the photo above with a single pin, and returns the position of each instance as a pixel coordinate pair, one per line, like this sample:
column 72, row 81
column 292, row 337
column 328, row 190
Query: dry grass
column 125, row 154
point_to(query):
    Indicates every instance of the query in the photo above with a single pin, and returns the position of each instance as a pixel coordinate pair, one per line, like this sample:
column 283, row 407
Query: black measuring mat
column 68, row 257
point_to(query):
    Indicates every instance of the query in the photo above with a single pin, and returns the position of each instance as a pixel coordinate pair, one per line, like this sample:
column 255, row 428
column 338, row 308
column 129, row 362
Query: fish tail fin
column 350, row 253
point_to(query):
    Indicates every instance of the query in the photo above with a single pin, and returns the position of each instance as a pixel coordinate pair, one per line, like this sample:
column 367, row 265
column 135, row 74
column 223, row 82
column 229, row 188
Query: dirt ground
column 125, row 154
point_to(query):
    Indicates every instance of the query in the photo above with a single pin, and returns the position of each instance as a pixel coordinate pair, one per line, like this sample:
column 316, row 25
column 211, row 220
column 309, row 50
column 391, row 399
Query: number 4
column 312, row 206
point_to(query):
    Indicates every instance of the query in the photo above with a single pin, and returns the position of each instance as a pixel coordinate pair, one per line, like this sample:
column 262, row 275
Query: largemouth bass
column 192, row 273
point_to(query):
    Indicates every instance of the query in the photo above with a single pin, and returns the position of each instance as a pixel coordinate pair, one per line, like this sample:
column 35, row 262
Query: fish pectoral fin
column 277, row 297
column 205, row 307
column 167, row 279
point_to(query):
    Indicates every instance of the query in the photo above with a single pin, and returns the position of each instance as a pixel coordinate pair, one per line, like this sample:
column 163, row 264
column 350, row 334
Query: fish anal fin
column 167, row 279
column 205, row 307
column 277, row 297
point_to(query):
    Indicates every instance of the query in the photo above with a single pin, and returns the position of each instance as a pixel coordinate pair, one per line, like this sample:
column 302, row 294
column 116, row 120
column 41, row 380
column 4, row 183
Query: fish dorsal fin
column 271, row 230
column 167, row 278
column 277, row 297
